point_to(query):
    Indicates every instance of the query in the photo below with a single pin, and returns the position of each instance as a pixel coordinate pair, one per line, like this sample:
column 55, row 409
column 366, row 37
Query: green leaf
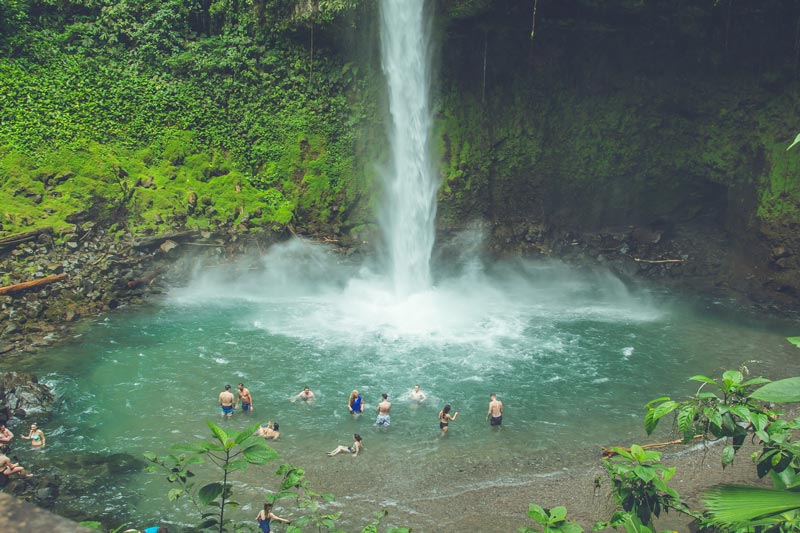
column 174, row 494
column 237, row 464
column 650, row 422
column 732, row 377
column 538, row 514
column 794, row 340
column 734, row 504
column 153, row 458
column 219, row 433
column 728, row 453
column 191, row 447
column 644, row 473
column 796, row 140
column 558, row 513
column 685, row 419
column 664, row 409
column 781, row 391
column 704, row 379
column 209, row 493
column 637, row 452
column 245, row 434
column 259, row 454
column 91, row 524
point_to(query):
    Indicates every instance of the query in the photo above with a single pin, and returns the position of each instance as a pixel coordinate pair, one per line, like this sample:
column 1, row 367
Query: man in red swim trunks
column 495, row 414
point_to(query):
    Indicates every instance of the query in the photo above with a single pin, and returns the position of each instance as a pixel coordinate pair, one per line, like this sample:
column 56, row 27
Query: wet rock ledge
column 49, row 282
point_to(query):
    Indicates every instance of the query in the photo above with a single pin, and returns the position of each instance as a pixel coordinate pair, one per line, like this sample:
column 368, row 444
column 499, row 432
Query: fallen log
column 33, row 283
column 144, row 280
column 609, row 452
column 13, row 240
column 655, row 261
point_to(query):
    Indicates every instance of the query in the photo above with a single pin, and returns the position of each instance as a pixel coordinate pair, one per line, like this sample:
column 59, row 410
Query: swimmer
column 383, row 412
column 227, row 402
column 270, row 432
column 8, row 468
column 305, row 395
column 265, row 516
column 495, row 413
column 36, row 436
column 445, row 418
column 417, row 395
column 352, row 449
column 245, row 398
column 5, row 435
column 354, row 403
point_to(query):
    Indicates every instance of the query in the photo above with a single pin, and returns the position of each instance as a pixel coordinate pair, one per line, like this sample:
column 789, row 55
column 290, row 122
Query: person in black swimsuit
column 445, row 418
column 352, row 449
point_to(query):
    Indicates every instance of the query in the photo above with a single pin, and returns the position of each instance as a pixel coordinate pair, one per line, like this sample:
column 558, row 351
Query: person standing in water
column 36, row 436
column 383, row 411
column 5, row 436
column 245, row 398
column 417, row 395
column 227, row 402
column 265, row 516
column 495, row 413
column 354, row 403
column 445, row 418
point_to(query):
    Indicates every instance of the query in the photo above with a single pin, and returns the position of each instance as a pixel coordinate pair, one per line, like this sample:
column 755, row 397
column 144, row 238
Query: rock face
column 101, row 272
column 22, row 394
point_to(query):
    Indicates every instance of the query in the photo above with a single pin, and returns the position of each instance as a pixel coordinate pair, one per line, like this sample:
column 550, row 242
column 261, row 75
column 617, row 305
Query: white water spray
column 410, row 204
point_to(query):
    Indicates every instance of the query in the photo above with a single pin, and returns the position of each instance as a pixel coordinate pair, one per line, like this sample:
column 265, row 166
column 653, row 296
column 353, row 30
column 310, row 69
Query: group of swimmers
column 271, row 430
column 9, row 468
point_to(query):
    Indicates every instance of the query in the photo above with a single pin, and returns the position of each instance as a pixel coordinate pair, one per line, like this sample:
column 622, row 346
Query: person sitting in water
column 7, row 468
column 305, row 395
column 352, row 449
column 271, row 431
column 36, row 436
column 445, row 418
column 354, row 403
column 265, row 516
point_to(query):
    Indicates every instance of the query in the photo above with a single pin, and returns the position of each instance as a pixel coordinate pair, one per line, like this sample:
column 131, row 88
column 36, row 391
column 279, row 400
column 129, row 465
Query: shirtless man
column 246, row 398
column 8, row 468
column 383, row 411
column 418, row 395
column 5, row 436
column 227, row 402
column 495, row 414
column 306, row 395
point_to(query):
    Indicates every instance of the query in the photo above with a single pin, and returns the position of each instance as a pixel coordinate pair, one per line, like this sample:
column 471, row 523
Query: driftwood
column 30, row 284
column 13, row 240
column 609, row 452
column 144, row 280
column 657, row 260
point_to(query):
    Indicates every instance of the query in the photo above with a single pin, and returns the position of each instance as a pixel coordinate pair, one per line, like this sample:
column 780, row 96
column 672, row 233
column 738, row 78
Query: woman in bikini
column 265, row 516
column 352, row 449
column 36, row 436
column 445, row 418
column 270, row 432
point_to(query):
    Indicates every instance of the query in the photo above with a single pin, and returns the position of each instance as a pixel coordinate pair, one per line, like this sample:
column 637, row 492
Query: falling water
column 410, row 203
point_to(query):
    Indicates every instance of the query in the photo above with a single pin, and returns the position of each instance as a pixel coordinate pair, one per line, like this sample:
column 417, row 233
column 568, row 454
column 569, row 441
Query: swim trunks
column 227, row 409
column 382, row 420
column 443, row 425
column 246, row 407
column 496, row 420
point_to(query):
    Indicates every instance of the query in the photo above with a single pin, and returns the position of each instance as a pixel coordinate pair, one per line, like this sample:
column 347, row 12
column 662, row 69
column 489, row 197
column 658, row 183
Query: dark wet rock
column 21, row 393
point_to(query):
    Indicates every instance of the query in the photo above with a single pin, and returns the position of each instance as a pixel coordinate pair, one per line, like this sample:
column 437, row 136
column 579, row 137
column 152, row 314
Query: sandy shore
column 487, row 494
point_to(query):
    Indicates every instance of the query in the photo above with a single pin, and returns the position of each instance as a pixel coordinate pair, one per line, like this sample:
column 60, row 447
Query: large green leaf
column 794, row 340
column 259, row 454
column 247, row 433
column 191, row 447
column 209, row 493
column 218, row 432
column 735, row 504
column 781, row 391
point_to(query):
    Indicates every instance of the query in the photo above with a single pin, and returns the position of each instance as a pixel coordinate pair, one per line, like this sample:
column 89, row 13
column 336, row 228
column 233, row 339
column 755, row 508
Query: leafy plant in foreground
column 552, row 520
column 229, row 453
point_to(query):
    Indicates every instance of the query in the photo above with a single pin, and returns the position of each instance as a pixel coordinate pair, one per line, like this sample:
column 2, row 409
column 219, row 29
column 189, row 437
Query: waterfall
column 409, row 209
